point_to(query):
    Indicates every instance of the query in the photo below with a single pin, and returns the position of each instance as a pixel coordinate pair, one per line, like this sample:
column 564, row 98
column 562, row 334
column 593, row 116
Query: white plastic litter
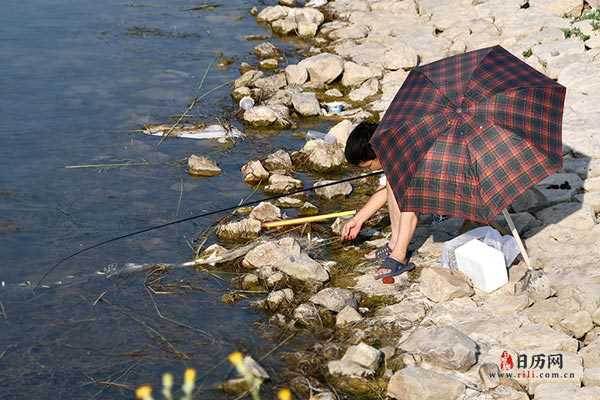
column 193, row 132
column 246, row 103
column 316, row 3
column 488, row 235
column 483, row 264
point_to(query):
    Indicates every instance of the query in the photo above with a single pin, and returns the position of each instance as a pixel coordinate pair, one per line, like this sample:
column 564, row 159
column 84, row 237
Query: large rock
column 561, row 8
column 306, row 103
column 555, row 391
column 282, row 184
column 414, row 383
column 329, row 192
column 596, row 316
column 202, row 166
column 324, row 67
column 335, row 299
column 355, row 74
column 248, row 228
column 296, row 74
column 347, row 368
column 532, row 336
column 441, row 285
column 322, row 156
column 271, row 84
column 308, row 21
column 248, row 78
column 577, row 324
column 265, row 212
column 400, row 56
column 591, row 354
column 270, row 14
column 591, row 377
column 444, row 347
column 571, row 215
column 364, row 355
column 559, row 188
column 280, row 160
column 260, row 116
column 341, row 131
column 254, row 172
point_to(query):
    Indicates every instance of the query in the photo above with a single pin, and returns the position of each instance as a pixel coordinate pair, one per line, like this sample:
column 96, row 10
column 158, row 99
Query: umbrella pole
column 517, row 237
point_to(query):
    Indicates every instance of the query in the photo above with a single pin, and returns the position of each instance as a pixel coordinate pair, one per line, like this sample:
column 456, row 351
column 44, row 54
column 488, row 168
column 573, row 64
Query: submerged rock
column 202, row 166
column 265, row 212
column 329, row 192
column 254, row 172
column 414, row 383
column 248, row 228
column 335, row 299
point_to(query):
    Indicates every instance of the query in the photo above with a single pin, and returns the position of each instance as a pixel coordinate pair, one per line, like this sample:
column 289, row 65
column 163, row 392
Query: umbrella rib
column 438, row 90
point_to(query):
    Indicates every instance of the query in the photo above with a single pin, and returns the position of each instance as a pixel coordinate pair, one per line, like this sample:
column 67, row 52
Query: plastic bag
column 488, row 235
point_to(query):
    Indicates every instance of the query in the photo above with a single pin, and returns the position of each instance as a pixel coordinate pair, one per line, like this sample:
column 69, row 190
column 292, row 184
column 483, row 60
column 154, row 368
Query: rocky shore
column 430, row 335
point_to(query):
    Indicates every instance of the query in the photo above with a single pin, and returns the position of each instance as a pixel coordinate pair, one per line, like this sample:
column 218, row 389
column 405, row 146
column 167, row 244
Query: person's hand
column 351, row 229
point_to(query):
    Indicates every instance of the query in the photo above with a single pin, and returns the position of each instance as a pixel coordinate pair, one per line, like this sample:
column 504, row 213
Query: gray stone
column 324, row 67
column 335, row 299
column 367, row 89
column 248, row 78
column 278, row 297
column 414, row 383
column 270, row 14
column 534, row 336
column 266, row 50
column 306, row 104
column 444, row 347
column 265, row 212
column 271, row 84
column 202, row 166
column 329, row 192
column 348, row 368
column 248, row 228
column 280, row 160
column 442, row 285
column 355, row 74
column 400, row 56
column 303, row 268
column 260, row 116
column 490, row 375
column 578, row 324
column 322, row 156
column 254, row 172
column 524, row 221
column 307, row 314
column 348, row 315
column 282, row 184
column 364, row 355
column 296, row 74
column 559, row 188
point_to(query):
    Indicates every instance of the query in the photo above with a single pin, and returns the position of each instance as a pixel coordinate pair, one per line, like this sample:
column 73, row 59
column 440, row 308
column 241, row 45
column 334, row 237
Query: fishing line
column 193, row 217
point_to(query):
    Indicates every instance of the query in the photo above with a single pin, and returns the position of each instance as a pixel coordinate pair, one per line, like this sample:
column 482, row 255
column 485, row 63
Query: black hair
column 358, row 148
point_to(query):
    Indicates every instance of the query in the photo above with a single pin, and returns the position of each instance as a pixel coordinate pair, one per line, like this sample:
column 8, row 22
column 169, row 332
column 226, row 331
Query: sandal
column 395, row 268
column 379, row 254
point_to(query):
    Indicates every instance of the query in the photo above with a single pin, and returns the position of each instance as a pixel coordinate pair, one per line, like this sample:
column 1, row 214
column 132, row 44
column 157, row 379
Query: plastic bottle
column 312, row 134
column 246, row 103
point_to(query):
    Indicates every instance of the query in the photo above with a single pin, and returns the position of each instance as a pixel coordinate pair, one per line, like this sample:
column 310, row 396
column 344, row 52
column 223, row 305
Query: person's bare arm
column 375, row 202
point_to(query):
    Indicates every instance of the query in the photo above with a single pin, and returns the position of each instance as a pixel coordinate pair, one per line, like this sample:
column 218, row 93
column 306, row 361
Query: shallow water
column 78, row 78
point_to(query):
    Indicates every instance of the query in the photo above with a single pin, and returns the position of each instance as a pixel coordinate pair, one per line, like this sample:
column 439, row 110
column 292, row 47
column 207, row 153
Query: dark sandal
column 395, row 268
column 380, row 253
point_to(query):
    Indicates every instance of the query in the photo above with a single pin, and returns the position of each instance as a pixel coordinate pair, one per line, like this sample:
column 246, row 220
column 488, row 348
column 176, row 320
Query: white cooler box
column 483, row 264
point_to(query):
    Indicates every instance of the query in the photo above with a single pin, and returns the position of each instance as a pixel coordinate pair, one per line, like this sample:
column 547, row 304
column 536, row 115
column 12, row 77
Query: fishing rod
column 193, row 217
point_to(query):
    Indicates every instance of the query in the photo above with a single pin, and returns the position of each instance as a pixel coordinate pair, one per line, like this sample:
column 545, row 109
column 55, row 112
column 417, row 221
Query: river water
column 78, row 78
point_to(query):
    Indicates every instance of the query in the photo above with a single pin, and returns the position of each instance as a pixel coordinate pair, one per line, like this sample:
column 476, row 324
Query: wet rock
column 348, row 315
column 400, row 56
column 531, row 336
column 306, row 103
column 248, row 78
column 240, row 92
column 265, row 212
column 329, row 192
column 341, row 131
column 248, row 228
column 355, row 74
column 271, row 84
column 577, row 324
column 275, row 279
column 335, row 299
column 282, row 184
column 202, row 166
column 270, row 14
column 289, row 3
column 367, row 89
column 234, row 386
column 296, row 74
column 441, row 285
column 324, row 67
column 347, row 368
column 280, row 160
column 322, row 156
column 249, row 282
column 245, row 67
column 289, row 202
column 414, row 383
column 278, row 297
column 364, row 355
column 260, row 116
column 266, row 50
column 489, row 374
column 307, row 314
column 591, row 377
column 254, row 172
column 308, row 209
column 444, row 347
column 338, row 225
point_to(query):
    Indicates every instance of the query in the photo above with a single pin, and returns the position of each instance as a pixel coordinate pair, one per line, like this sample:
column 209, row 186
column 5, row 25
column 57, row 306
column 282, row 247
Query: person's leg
column 403, row 227
column 395, row 215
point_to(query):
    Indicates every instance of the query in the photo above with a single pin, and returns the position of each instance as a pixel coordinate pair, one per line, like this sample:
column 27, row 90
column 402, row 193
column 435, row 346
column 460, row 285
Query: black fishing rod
column 193, row 217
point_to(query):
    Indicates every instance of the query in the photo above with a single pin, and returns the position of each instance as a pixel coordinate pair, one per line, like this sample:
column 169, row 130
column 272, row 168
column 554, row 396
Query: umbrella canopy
column 466, row 135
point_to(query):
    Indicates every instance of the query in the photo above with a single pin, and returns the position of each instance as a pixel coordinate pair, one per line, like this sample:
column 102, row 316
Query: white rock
column 578, row 324
column 307, row 314
column 596, row 316
column 285, row 25
column 341, row 131
column 282, row 184
column 266, row 50
column 414, row 383
column 324, row 67
column 254, row 172
column 591, row 354
column 271, row 84
column 355, row 74
column 400, row 56
column 333, row 93
column 296, row 74
column 306, row 103
column 555, row 391
column 202, row 166
column 536, row 335
column 335, row 299
column 349, row 32
column 569, row 8
column 364, row 355
column 347, row 368
column 245, row 229
column 270, row 14
column 329, row 192
column 260, row 116
column 276, row 298
column 441, row 285
column 348, row 315
column 322, row 156
column 248, row 78
column 280, row 160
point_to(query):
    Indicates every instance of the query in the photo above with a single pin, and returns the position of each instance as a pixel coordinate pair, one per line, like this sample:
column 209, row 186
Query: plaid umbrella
column 466, row 135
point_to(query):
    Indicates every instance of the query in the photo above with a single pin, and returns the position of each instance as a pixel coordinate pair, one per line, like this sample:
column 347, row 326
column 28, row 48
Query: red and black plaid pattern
column 466, row 135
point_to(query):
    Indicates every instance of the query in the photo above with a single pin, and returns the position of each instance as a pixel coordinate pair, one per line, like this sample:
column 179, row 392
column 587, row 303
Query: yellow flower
column 189, row 376
column 143, row 392
column 236, row 358
column 284, row 394
column 167, row 380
